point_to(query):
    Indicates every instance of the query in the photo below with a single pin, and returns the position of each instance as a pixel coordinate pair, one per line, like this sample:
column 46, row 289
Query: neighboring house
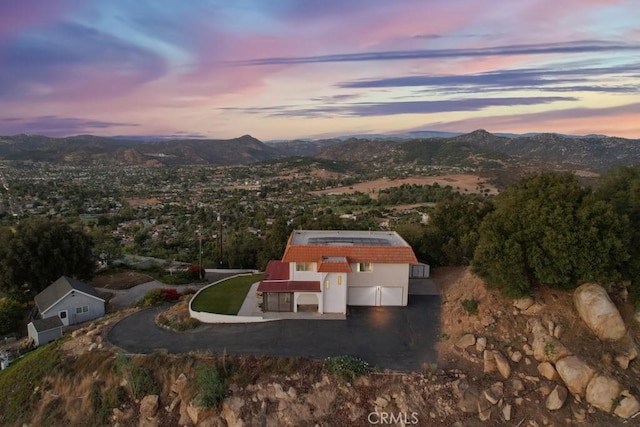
column 70, row 300
column 325, row 271
column 43, row 331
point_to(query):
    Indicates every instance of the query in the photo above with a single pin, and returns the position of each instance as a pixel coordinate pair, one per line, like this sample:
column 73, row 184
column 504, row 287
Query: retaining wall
column 205, row 317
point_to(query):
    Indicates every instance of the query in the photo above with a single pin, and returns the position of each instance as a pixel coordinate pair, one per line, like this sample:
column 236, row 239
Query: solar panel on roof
column 346, row 240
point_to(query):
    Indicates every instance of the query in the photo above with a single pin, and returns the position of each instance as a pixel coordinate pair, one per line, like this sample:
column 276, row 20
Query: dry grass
column 463, row 183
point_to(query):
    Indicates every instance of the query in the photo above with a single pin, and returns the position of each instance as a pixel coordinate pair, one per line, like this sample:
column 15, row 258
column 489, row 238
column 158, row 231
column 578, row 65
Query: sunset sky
column 282, row 69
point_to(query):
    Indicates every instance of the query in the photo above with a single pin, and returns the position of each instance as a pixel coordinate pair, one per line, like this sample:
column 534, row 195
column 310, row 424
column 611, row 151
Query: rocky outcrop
column 557, row 398
column 546, row 348
column 598, row 312
column 627, row 406
column 575, row 373
column 602, row 392
column 465, row 341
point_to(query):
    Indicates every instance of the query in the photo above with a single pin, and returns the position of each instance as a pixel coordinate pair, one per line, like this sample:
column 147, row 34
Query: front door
column 64, row 316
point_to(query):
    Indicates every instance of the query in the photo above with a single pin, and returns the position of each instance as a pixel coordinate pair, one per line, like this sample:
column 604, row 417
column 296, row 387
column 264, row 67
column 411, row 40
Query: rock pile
column 562, row 373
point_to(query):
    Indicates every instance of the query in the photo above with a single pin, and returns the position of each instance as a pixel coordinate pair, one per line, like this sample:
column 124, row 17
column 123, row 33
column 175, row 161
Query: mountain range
column 478, row 148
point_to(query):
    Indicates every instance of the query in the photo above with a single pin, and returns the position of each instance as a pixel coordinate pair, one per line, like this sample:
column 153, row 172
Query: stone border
column 205, row 317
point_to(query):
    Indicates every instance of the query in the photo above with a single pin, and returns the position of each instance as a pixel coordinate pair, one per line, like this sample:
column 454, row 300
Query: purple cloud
column 582, row 46
column 553, row 80
column 55, row 126
column 405, row 107
column 74, row 59
column 532, row 120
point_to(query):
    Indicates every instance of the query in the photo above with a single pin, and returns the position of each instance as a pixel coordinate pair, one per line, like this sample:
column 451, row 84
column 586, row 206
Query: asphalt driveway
column 400, row 338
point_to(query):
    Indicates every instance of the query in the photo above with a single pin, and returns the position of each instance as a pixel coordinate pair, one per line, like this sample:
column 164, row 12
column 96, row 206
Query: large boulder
column 465, row 341
column 546, row 348
column 602, row 392
column 628, row 405
column 598, row 312
column 502, row 364
column 557, row 398
column 575, row 373
column 149, row 406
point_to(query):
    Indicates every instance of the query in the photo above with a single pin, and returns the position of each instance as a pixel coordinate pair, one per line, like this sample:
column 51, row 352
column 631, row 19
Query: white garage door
column 363, row 296
column 390, row 296
column 375, row 295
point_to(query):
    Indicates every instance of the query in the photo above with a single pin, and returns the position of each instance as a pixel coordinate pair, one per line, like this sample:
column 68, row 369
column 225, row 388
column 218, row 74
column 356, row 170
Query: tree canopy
column 452, row 233
column 549, row 230
column 39, row 251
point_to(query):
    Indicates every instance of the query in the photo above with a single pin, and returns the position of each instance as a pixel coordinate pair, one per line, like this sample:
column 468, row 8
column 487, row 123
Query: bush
column 158, row 296
column 470, row 306
column 152, row 297
column 170, row 295
column 213, row 386
column 347, row 368
column 196, row 271
column 141, row 380
column 10, row 315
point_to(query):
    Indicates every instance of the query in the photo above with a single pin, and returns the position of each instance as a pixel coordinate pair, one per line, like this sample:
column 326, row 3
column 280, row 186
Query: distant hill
column 93, row 150
column 481, row 148
column 476, row 149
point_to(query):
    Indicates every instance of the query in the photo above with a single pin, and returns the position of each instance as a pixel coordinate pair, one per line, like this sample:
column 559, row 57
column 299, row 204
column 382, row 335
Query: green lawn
column 226, row 297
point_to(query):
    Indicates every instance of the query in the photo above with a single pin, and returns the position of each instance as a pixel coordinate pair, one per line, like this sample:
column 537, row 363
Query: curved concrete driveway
column 400, row 338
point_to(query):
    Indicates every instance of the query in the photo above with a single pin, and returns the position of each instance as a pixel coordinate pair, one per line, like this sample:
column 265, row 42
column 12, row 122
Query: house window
column 339, row 280
column 365, row 267
column 304, row 266
column 277, row 301
column 83, row 309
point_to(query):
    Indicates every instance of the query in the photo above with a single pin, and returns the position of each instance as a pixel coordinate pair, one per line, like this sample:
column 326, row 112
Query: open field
column 135, row 202
column 120, row 280
column 464, row 183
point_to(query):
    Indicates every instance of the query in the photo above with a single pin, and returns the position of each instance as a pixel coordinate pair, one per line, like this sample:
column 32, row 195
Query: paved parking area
column 400, row 338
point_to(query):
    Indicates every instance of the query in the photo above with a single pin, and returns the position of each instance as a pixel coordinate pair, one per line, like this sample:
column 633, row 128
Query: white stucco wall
column 335, row 296
column 302, row 275
column 307, row 298
column 382, row 275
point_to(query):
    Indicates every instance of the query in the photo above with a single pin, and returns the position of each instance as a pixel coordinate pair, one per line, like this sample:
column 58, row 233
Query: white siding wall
column 71, row 303
column 44, row 337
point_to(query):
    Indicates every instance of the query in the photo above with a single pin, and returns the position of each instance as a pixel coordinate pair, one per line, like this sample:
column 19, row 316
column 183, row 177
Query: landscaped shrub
column 170, row 295
column 347, row 368
column 212, row 385
column 176, row 322
column 152, row 297
column 197, row 271
column 158, row 296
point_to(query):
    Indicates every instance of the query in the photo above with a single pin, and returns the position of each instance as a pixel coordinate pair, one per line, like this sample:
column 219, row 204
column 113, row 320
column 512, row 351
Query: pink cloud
column 18, row 16
column 620, row 121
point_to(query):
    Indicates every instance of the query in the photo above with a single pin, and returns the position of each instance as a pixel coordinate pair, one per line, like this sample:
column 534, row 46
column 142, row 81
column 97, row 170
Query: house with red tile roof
column 325, row 271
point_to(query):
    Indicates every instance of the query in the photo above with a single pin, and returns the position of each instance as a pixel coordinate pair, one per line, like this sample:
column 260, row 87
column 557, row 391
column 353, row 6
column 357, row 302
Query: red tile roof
column 340, row 265
column 276, row 270
column 288, row 286
column 354, row 254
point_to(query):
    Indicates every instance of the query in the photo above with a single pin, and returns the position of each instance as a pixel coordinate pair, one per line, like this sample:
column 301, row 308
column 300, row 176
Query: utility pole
column 200, row 251
column 220, row 238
